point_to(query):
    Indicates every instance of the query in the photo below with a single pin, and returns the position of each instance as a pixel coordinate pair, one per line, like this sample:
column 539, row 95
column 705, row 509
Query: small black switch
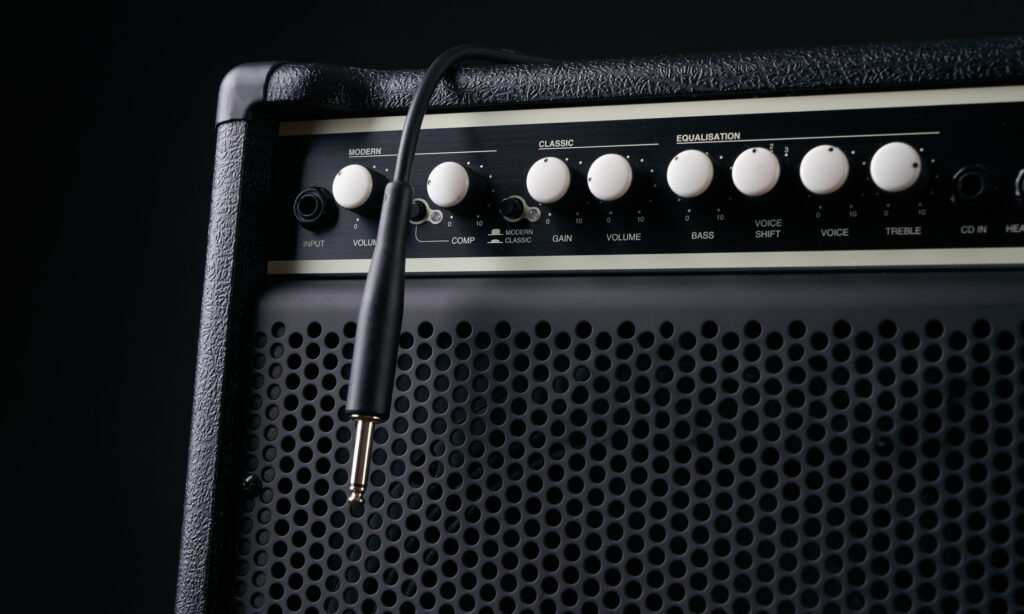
column 511, row 208
column 417, row 212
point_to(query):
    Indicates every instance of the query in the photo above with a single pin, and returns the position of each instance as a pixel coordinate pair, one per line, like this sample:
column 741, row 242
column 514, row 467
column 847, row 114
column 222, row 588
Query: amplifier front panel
column 957, row 131
column 851, row 442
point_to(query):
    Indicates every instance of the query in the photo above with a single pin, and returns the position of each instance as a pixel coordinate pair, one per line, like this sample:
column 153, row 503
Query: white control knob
column 755, row 171
column 609, row 177
column 353, row 186
column 895, row 167
column 690, row 173
column 548, row 180
column 448, row 184
column 824, row 169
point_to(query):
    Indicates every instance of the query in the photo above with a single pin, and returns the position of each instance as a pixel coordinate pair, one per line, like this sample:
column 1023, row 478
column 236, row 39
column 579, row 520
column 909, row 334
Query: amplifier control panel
column 885, row 179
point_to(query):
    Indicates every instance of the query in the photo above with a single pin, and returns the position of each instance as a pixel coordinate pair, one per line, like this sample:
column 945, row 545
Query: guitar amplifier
column 720, row 333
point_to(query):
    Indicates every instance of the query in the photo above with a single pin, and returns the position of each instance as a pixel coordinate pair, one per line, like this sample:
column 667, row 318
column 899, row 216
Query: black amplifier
column 730, row 333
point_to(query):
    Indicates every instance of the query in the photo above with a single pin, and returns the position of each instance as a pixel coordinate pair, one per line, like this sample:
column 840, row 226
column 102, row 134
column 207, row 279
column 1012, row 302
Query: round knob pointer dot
column 895, row 167
column 609, row 177
column 448, row 184
column 690, row 173
column 824, row 169
column 756, row 171
column 353, row 186
column 548, row 180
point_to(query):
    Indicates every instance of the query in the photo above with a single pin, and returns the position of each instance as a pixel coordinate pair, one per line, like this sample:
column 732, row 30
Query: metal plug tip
column 362, row 446
column 356, row 494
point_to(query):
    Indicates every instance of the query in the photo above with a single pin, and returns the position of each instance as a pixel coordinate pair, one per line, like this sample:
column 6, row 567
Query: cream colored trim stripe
column 660, row 110
column 965, row 256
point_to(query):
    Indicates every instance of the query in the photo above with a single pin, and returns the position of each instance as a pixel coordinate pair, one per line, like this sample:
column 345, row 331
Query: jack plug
column 361, row 450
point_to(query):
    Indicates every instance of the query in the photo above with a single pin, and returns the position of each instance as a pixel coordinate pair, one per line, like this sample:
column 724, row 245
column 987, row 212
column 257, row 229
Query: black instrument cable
column 380, row 311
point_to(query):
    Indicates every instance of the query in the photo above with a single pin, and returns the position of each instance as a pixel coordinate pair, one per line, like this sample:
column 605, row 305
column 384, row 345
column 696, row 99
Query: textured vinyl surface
column 718, row 75
column 678, row 444
column 232, row 269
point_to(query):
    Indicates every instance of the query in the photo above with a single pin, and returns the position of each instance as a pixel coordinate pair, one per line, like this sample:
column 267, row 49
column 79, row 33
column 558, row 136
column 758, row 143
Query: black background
column 110, row 129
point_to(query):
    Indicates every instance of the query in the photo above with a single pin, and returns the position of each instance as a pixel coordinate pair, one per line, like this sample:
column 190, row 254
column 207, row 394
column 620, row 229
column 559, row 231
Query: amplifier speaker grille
column 719, row 465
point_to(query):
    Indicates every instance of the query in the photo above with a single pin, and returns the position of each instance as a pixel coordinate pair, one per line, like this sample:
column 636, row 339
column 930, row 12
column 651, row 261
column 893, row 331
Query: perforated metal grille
column 678, row 466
